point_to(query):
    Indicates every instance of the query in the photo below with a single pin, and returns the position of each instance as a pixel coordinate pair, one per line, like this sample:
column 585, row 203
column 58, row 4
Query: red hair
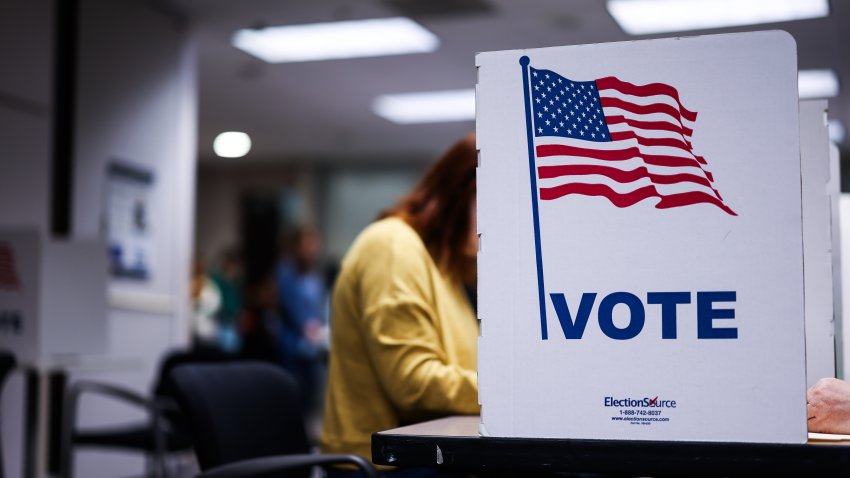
column 438, row 208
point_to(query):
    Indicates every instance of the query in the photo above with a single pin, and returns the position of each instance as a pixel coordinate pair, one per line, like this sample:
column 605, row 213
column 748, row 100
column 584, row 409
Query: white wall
column 136, row 104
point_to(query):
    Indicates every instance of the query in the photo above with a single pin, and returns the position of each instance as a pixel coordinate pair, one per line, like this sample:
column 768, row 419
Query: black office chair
column 7, row 364
column 246, row 420
column 164, row 431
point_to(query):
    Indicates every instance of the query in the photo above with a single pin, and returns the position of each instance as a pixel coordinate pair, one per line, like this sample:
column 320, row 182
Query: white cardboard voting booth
column 641, row 256
column 52, row 297
column 834, row 189
column 819, row 191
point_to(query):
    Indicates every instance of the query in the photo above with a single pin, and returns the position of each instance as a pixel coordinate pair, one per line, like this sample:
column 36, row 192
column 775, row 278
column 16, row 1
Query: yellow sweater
column 403, row 341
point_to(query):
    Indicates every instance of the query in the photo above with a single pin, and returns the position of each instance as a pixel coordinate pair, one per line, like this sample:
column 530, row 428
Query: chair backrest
column 240, row 410
column 175, row 358
column 164, row 388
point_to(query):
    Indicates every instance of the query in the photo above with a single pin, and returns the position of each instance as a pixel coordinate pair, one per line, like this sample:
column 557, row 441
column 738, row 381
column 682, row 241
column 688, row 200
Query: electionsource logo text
column 644, row 402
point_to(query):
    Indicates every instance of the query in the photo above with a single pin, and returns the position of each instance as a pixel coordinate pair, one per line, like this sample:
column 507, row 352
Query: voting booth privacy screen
column 641, row 257
column 52, row 297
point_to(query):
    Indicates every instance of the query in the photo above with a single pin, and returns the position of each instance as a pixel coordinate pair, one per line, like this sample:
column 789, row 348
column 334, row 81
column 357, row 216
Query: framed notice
column 127, row 220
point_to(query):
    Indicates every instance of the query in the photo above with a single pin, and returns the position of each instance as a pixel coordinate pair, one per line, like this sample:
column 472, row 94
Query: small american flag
column 614, row 139
column 8, row 274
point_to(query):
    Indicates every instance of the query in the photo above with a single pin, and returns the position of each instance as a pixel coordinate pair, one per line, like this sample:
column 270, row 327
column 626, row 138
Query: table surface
column 454, row 443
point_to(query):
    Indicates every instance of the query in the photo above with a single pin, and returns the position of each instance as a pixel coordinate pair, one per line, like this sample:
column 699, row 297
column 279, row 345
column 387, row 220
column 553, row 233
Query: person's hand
column 314, row 331
column 828, row 406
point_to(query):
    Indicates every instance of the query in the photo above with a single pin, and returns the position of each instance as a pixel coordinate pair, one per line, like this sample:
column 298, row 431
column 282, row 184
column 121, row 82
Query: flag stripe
column 651, row 89
column 644, row 141
column 625, row 188
column 646, row 101
column 631, row 198
column 689, row 198
column 619, row 175
column 665, row 142
column 610, row 102
column 545, row 150
column 650, row 125
column 649, row 133
column 624, row 165
column 624, row 179
column 659, row 117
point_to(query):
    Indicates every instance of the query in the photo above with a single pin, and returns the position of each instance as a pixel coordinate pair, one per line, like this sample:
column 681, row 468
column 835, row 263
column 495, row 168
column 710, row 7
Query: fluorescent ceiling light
column 837, row 133
column 426, row 107
column 817, row 84
column 335, row 40
column 641, row 17
column 232, row 144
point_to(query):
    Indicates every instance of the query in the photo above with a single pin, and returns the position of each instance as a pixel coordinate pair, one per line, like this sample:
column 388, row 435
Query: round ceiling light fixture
column 232, row 144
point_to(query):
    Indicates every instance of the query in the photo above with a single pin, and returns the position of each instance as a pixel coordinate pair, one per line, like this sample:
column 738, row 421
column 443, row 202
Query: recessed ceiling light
column 232, row 144
column 837, row 132
column 336, row 40
column 426, row 107
column 817, row 84
column 641, row 17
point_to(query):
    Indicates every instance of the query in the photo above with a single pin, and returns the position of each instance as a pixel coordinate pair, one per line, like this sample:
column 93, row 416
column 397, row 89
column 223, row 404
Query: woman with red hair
column 403, row 333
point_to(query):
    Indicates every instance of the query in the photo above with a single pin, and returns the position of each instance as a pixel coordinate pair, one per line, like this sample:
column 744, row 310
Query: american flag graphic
column 8, row 274
column 614, row 139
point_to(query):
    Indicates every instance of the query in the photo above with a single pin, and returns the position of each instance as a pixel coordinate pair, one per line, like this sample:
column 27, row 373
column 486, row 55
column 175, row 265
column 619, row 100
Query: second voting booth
column 641, row 263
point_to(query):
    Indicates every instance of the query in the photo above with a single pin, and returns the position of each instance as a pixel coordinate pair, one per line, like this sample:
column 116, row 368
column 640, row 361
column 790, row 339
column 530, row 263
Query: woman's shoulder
column 387, row 234
column 388, row 243
column 387, row 262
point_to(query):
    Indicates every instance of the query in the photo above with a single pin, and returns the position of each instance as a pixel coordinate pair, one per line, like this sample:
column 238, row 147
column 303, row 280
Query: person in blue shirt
column 303, row 304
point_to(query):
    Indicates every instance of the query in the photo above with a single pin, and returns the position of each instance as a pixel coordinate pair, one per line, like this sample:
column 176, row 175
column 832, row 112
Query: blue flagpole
column 524, row 61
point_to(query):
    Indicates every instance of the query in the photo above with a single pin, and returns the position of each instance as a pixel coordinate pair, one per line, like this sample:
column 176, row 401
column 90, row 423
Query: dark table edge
column 655, row 458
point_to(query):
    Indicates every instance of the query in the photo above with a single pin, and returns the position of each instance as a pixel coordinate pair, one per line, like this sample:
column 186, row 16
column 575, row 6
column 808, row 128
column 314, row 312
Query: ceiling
column 321, row 110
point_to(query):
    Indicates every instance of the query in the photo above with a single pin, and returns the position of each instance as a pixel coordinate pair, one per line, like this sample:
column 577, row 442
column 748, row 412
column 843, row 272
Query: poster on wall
column 127, row 220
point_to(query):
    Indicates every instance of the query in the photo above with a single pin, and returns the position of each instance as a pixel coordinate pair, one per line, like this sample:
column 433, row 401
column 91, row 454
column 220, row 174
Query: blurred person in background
column 303, row 304
column 259, row 321
column 206, row 301
column 403, row 333
column 228, row 278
